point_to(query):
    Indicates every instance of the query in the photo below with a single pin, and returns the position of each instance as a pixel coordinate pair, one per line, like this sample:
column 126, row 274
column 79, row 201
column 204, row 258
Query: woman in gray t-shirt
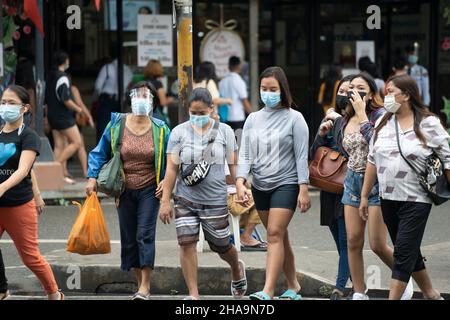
column 201, row 195
column 275, row 150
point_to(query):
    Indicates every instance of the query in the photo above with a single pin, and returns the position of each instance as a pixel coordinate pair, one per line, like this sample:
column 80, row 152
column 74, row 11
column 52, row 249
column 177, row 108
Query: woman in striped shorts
column 201, row 193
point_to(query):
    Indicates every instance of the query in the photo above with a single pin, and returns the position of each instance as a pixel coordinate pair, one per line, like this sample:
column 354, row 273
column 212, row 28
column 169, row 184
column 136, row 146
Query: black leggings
column 406, row 223
column 3, row 281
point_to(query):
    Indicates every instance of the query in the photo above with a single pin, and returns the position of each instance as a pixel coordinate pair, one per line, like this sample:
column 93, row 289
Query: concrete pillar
column 183, row 9
column 254, row 53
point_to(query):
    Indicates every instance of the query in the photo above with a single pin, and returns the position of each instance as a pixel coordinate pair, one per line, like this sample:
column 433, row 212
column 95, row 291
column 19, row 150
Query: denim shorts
column 283, row 197
column 352, row 190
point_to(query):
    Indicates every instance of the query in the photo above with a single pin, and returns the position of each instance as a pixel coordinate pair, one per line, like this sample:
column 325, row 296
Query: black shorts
column 283, row 197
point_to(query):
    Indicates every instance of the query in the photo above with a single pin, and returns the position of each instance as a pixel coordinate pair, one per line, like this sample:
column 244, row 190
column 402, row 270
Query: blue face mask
column 10, row 112
column 413, row 59
column 271, row 99
column 199, row 121
column 141, row 106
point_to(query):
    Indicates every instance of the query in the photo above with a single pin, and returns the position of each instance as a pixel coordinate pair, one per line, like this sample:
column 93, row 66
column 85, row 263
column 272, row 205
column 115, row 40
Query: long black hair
column 206, row 71
column 201, row 95
column 344, row 79
column 280, row 76
column 409, row 87
column 333, row 74
column 21, row 92
column 59, row 59
column 375, row 103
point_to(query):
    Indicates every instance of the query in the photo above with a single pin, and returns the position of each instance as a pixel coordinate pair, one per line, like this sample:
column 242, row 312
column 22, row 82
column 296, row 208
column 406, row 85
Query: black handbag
column 197, row 172
column 433, row 180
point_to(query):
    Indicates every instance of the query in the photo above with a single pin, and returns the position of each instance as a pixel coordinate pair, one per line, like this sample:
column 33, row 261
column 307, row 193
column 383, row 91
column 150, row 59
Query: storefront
column 305, row 37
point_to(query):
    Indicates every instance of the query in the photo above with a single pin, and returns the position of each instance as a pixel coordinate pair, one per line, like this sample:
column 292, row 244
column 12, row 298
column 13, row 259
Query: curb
column 213, row 281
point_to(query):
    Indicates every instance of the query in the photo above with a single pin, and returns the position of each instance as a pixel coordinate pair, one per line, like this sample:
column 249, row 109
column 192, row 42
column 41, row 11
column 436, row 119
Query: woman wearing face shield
column 143, row 149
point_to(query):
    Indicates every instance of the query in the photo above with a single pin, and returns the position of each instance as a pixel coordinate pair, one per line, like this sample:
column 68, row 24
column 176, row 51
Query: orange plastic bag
column 89, row 234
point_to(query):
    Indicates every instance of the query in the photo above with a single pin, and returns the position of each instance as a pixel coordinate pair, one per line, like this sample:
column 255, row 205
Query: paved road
column 313, row 242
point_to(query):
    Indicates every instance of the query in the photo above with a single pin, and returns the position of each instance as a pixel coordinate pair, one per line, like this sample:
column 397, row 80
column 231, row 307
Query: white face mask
column 390, row 104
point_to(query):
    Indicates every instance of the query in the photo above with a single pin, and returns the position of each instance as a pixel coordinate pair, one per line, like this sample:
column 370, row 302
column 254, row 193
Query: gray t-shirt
column 187, row 146
column 274, row 149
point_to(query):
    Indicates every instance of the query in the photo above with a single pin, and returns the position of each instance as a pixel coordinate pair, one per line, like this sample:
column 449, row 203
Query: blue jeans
column 138, row 212
column 353, row 187
column 340, row 237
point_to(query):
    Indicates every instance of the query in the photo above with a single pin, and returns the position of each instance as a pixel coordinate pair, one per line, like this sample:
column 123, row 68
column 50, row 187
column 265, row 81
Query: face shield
column 141, row 101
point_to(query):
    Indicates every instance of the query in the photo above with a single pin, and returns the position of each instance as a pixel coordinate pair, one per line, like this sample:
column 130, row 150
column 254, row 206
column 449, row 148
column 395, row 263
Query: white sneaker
column 360, row 296
column 409, row 291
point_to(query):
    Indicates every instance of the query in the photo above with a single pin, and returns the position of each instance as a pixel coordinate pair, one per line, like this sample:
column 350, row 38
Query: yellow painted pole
column 185, row 55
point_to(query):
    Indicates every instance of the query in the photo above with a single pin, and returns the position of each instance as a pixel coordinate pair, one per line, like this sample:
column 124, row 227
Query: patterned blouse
column 357, row 148
column 138, row 156
column 397, row 180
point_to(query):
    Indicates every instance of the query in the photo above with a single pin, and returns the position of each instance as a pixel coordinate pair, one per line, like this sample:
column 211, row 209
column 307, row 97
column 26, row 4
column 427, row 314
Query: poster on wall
column 155, row 39
column 131, row 10
column 220, row 44
column 365, row 49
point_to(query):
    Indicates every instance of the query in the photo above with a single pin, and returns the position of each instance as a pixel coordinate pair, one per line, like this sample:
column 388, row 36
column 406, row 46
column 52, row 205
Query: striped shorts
column 214, row 221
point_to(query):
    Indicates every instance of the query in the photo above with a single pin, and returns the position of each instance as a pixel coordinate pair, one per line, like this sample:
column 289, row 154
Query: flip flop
column 261, row 295
column 141, row 296
column 262, row 246
column 290, row 295
column 239, row 288
column 190, row 298
column 69, row 181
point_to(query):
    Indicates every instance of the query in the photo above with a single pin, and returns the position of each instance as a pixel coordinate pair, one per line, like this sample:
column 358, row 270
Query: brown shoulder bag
column 327, row 170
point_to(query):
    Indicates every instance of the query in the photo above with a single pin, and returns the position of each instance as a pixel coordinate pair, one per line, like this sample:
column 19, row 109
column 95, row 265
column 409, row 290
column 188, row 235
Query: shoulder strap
column 400, row 149
column 122, row 129
column 212, row 138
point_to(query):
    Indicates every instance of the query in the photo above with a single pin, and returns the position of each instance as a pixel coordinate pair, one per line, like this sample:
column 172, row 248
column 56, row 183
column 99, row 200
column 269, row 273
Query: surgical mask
column 413, row 59
column 141, row 106
column 66, row 67
column 271, row 99
column 10, row 112
column 342, row 102
column 390, row 104
column 361, row 93
column 199, row 121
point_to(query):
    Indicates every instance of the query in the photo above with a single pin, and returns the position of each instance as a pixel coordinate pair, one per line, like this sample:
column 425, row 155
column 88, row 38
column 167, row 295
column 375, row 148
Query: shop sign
column 365, row 49
column 220, row 44
column 155, row 39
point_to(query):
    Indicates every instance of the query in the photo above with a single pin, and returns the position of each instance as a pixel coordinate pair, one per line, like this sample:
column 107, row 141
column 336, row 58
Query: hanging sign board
column 155, row 39
column 220, row 44
column 365, row 49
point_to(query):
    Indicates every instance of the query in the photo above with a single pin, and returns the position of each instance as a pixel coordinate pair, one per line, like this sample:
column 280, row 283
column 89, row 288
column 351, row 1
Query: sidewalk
column 74, row 192
column 102, row 275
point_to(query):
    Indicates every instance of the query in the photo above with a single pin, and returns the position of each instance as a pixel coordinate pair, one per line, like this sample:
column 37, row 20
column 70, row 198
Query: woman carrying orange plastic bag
column 89, row 234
